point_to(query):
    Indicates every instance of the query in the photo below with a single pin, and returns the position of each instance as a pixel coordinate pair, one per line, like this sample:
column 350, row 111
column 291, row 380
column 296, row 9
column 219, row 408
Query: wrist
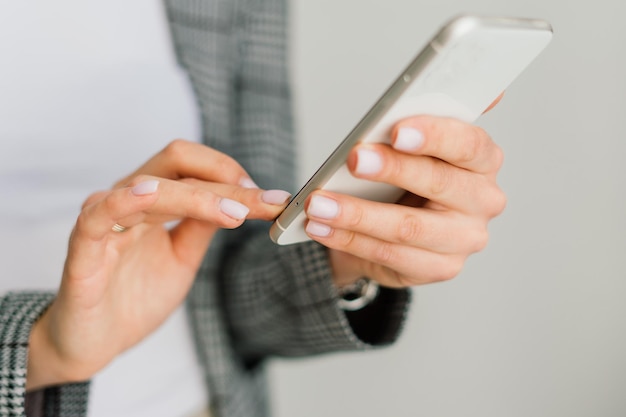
column 345, row 268
column 354, row 290
column 46, row 366
column 42, row 364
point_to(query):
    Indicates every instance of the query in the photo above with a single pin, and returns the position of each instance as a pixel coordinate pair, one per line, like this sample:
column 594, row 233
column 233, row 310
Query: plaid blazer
column 252, row 299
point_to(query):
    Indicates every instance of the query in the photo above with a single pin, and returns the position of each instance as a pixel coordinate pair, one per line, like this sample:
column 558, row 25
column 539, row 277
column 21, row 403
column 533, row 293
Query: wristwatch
column 357, row 295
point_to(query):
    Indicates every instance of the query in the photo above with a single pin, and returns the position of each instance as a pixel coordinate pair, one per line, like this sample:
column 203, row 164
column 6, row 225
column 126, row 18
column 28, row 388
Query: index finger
column 185, row 159
column 454, row 141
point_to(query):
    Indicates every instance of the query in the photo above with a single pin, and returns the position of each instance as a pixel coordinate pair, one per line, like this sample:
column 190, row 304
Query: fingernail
column 368, row 162
column 145, row 188
column 233, row 209
column 248, row 183
column 323, row 207
column 408, row 139
column 276, row 197
column 318, row 229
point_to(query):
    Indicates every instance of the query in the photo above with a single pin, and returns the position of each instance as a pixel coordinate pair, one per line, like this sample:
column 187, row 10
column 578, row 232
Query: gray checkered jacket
column 252, row 299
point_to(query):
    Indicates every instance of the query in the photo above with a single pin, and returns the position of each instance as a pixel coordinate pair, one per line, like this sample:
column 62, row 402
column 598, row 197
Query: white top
column 90, row 90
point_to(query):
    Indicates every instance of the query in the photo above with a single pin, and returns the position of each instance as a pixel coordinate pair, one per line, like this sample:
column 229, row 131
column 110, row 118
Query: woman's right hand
column 118, row 287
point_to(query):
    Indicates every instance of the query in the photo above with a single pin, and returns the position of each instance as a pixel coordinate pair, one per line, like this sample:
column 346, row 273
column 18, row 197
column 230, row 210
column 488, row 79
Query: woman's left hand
column 448, row 169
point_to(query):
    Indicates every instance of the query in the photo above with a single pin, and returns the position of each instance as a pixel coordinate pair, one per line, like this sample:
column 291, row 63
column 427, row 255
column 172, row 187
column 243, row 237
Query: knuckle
column 497, row 203
column 346, row 240
column 498, row 157
column 93, row 198
column 449, row 270
column 440, row 178
column 393, row 167
column 431, row 127
column 356, row 217
column 491, row 200
column 383, row 253
column 113, row 204
column 480, row 240
column 227, row 167
column 501, row 204
column 176, row 149
column 391, row 277
column 199, row 198
column 242, row 194
column 405, row 281
column 205, row 202
column 410, row 229
column 82, row 229
column 473, row 145
column 81, row 222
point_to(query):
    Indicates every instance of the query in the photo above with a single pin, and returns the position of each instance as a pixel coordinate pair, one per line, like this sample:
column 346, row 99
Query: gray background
column 534, row 326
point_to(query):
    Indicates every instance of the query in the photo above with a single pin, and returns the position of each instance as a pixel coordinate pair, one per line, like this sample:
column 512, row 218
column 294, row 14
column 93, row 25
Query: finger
column 97, row 196
column 436, row 231
column 221, row 204
column 185, row 159
column 96, row 220
column 263, row 204
column 191, row 238
column 431, row 178
column 495, row 102
column 178, row 200
column 456, row 142
column 93, row 227
column 190, row 241
column 390, row 264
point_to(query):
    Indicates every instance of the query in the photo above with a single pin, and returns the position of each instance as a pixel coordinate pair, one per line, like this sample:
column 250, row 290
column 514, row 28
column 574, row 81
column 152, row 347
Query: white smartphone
column 459, row 73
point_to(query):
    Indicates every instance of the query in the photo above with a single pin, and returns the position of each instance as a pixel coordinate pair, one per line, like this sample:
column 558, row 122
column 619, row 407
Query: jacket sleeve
column 280, row 300
column 18, row 312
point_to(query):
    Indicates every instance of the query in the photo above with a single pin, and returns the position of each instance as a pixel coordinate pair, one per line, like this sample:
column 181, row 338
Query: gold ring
column 118, row 228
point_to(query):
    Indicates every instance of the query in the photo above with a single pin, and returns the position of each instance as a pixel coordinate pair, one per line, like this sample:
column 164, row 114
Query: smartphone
column 459, row 73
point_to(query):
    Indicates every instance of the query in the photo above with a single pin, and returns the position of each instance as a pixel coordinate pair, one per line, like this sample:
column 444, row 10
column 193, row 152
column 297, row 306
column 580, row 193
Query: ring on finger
column 119, row 228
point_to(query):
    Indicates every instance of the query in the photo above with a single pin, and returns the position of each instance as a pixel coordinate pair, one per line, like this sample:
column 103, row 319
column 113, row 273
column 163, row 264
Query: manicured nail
column 323, row 207
column 233, row 209
column 408, row 139
column 368, row 162
column 318, row 229
column 276, row 197
column 145, row 188
column 248, row 183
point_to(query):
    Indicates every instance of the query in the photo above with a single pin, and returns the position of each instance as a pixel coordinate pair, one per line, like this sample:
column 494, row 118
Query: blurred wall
column 535, row 325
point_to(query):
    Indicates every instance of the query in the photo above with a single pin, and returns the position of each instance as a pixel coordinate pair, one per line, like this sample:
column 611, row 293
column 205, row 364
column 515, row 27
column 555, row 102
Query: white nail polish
column 323, row 207
column 276, row 197
column 318, row 229
column 368, row 162
column 145, row 188
column 408, row 139
column 233, row 209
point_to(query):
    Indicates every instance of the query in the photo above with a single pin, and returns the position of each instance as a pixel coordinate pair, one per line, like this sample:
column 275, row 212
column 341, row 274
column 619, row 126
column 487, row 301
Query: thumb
column 190, row 241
